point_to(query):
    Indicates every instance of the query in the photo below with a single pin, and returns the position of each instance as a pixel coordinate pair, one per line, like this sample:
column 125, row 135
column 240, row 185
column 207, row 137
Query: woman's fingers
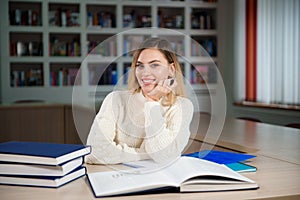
column 162, row 88
column 170, row 84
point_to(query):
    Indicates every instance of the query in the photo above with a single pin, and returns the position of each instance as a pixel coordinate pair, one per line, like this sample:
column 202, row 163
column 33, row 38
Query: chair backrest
column 294, row 125
column 249, row 119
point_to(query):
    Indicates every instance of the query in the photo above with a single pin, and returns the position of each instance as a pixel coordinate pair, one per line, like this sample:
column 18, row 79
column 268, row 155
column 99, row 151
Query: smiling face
column 151, row 67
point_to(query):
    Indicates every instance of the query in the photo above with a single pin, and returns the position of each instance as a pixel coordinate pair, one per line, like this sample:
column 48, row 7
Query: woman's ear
column 172, row 70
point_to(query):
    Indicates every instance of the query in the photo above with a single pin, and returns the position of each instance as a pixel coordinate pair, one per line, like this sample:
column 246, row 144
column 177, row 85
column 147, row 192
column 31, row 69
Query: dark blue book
column 43, row 181
column 221, row 157
column 41, row 153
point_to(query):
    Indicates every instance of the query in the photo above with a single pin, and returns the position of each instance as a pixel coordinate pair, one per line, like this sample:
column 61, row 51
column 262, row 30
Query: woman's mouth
column 148, row 81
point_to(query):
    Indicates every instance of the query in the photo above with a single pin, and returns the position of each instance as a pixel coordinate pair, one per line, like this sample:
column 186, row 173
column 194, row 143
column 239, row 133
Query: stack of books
column 41, row 164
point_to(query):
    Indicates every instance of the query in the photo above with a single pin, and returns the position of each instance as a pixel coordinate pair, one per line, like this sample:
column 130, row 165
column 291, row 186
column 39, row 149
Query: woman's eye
column 154, row 65
column 140, row 66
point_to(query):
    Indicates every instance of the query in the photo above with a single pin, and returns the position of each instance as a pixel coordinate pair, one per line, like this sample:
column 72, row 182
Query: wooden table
column 278, row 174
column 263, row 139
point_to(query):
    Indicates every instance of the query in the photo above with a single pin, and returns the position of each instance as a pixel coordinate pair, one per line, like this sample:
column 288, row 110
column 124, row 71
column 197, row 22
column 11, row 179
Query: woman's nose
column 147, row 69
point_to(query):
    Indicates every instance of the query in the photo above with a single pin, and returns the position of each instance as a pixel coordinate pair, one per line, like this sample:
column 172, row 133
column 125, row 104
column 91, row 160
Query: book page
column 122, row 182
column 193, row 167
column 185, row 168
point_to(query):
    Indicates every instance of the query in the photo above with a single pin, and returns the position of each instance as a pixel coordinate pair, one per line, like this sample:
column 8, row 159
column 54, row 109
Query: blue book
column 43, row 181
column 26, row 169
column 41, row 153
column 221, row 157
column 241, row 167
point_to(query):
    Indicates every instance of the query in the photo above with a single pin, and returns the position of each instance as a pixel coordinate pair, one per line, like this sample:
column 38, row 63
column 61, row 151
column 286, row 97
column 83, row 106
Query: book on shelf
column 28, row 17
column 109, row 77
column 25, row 169
column 103, row 75
column 178, row 47
column 101, row 19
column 186, row 174
column 199, row 74
column 203, row 74
column 63, row 17
column 64, row 77
column 165, row 19
column 201, row 20
column 41, row 152
column 64, row 48
column 135, row 19
column 126, row 70
column 43, row 181
column 131, row 43
column 31, row 77
column 74, row 77
column 204, row 47
column 102, row 48
column 21, row 48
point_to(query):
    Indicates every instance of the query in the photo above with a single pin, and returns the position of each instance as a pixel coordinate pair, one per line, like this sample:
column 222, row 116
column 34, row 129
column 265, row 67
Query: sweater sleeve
column 102, row 139
column 167, row 136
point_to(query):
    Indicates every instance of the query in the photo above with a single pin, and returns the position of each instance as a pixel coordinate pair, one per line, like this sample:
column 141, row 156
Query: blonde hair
column 165, row 48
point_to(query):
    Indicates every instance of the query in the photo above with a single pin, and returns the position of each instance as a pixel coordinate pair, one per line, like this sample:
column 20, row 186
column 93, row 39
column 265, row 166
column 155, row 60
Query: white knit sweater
column 130, row 128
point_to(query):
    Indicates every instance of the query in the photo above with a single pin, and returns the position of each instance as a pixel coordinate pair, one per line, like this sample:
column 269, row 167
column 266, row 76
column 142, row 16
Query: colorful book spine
column 64, row 77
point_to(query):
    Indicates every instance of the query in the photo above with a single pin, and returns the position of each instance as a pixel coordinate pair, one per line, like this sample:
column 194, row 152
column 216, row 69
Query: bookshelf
column 45, row 44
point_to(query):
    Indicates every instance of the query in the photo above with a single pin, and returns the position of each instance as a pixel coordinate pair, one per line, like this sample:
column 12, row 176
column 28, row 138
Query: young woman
column 151, row 119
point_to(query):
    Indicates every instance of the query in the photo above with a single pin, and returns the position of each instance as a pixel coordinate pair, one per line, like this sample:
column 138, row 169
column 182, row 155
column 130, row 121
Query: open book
column 187, row 174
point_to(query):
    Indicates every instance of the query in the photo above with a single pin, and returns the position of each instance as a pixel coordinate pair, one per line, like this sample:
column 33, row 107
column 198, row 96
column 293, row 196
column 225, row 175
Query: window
column 271, row 63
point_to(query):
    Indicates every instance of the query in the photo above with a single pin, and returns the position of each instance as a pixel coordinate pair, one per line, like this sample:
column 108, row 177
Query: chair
column 249, row 119
column 294, row 125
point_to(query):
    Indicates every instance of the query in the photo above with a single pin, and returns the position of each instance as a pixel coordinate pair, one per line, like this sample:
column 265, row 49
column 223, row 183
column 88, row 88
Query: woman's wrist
column 152, row 99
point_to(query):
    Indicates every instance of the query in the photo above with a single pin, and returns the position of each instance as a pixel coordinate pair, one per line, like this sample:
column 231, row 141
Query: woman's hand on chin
column 163, row 88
